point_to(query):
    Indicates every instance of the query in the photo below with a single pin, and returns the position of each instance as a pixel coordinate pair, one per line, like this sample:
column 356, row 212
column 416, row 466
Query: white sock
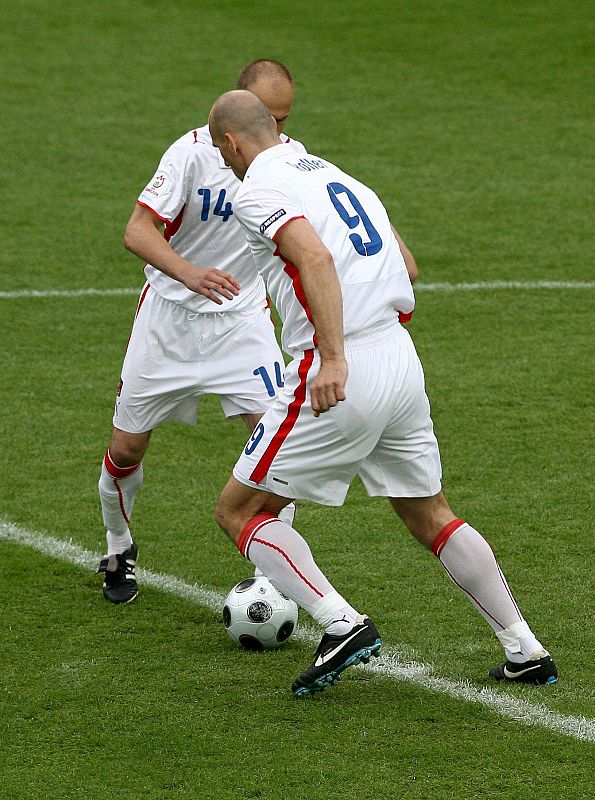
column 284, row 556
column 118, row 543
column 286, row 515
column 117, row 490
column 470, row 563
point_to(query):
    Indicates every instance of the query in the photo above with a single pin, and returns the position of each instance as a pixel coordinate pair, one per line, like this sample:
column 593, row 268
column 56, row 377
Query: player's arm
column 407, row 256
column 143, row 237
column 299, row 243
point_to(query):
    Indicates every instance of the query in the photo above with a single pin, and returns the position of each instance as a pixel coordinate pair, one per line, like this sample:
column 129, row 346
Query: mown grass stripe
column 419, row 287
column 390, row 666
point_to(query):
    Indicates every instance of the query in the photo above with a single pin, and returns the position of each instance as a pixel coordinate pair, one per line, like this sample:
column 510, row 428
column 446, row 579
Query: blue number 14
column 222, row 209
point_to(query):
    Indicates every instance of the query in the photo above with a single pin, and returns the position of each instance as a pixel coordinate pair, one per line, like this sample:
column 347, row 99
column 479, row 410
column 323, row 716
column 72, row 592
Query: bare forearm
column 408, row 258
column 323, row 293
column 300, row 245
column 143, row 238
column 147, row 242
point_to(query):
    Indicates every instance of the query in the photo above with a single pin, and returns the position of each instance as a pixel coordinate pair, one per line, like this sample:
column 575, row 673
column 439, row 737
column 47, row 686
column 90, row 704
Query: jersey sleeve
column 263, row 210
column 166, row 193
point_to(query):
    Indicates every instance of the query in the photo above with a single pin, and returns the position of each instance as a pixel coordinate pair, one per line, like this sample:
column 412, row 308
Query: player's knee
column 424, row 517
column 127, row 449
column 224, row 518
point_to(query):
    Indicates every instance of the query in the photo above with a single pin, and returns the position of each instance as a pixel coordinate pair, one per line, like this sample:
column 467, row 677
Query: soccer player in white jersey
column 202, row 324
column 354, row 400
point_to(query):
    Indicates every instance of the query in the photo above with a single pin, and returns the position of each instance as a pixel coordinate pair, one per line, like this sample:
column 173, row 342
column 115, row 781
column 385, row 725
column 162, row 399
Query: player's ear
column 232, row 142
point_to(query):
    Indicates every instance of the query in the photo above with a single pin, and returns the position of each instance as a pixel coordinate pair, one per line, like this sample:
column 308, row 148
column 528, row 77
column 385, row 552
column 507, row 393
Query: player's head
column 272, row 83
column 241, row 126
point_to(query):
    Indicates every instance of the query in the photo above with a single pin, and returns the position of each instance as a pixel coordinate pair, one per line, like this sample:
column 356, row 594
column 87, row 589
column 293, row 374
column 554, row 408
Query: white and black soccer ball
column 257, row 616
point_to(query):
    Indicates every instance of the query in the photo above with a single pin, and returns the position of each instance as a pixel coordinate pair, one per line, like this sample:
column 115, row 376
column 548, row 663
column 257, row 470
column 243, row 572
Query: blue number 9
column 254, row 439
column 374, row 243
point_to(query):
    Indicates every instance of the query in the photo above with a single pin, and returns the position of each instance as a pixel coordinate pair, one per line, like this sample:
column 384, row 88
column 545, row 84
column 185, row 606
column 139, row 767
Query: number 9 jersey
column 282, row 184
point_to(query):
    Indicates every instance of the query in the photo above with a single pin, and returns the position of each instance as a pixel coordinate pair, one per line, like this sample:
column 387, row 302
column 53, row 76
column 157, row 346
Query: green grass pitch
column 471, row 120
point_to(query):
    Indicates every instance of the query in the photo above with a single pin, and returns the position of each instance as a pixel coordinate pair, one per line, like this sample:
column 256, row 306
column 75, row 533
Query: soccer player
column 354, row 400
column 202, row 324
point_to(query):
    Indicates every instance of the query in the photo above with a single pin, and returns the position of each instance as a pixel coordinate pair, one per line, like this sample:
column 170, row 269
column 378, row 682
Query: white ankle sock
column 118, row 543
column 520, row 643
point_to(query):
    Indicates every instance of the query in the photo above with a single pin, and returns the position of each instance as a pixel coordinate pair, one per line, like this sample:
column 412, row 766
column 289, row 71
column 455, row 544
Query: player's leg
column 292, row 454
column 405, row 466
column 250, row 518
column 121, row 478
column 157, row 383
column 470, row 563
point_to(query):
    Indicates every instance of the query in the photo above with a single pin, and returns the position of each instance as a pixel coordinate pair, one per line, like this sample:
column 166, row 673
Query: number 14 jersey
column 282, row 184
column 193, row 193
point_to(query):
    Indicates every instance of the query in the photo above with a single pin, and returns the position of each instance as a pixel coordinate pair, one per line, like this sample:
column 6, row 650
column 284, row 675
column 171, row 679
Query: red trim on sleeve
column 293, row 272
column 273, row 237
column 286, row 426
column 445, row 534
column 171, row 228
column 404, row 318
column 152, row 210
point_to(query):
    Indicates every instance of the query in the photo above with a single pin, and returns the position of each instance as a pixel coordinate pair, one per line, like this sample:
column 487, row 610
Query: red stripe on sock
column 289, row 561
column 121, row 499
column 118, row 472
column 475, row 600
column 250, row 528
column 512, row 600
column 445, row 534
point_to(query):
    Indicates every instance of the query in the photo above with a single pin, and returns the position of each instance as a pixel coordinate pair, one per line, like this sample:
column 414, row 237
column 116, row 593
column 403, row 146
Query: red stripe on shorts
column 141, row 300
column 286, row 426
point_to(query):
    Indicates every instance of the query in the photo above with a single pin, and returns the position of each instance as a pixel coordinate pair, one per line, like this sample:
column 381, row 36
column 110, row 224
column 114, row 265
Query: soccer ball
column 257, row 616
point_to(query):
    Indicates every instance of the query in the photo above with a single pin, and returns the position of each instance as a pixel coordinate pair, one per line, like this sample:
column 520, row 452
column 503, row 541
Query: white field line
column 420, row 287
column 390, row 665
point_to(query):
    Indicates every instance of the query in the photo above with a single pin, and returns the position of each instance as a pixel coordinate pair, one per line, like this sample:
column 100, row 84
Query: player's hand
column 211, row 280
column 328, row 387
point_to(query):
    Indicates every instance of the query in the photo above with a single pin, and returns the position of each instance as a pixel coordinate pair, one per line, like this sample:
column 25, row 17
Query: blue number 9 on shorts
column 254, row 439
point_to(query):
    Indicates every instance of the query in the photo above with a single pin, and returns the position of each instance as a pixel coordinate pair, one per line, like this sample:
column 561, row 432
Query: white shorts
column 382, row 431
column 175, row 356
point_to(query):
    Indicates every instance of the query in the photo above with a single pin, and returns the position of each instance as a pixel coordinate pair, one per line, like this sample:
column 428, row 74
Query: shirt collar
column 271, row 153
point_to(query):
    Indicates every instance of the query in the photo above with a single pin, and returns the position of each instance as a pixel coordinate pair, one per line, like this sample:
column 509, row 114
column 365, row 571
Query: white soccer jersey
column 281, row 185
column 193, row 192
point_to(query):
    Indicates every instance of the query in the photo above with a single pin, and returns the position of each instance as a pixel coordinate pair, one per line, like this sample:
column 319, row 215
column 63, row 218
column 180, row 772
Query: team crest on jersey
column 273, row 218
